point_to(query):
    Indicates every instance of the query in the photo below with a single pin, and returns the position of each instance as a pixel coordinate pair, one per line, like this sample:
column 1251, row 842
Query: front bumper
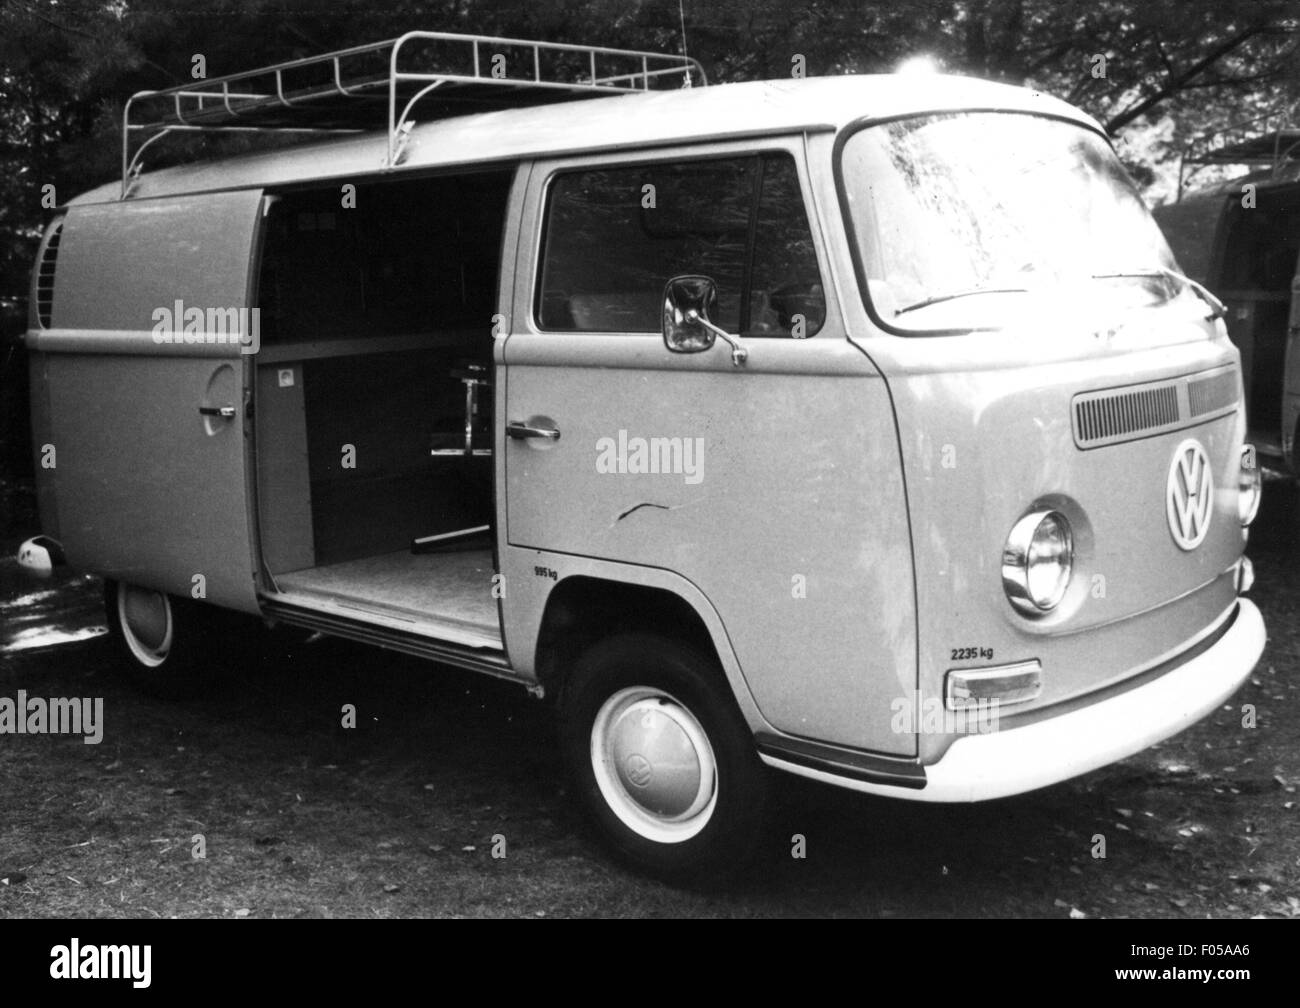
column 980, row 767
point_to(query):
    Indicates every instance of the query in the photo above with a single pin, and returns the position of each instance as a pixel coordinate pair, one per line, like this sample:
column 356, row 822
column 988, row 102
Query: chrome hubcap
column 146, row 619
column 654, row 764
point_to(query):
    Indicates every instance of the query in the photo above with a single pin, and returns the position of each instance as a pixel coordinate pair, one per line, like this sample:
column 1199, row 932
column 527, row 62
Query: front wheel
column 662, row 759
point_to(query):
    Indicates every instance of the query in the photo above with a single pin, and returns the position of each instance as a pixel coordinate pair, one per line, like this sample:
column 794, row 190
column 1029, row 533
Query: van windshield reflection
column 946, row 207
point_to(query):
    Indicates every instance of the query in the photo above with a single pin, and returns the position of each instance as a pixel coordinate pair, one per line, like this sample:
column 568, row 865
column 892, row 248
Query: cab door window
column 615, row 236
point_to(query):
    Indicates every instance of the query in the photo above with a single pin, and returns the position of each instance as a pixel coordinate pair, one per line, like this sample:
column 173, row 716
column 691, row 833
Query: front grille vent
column 1111, row 416
column 1208, row 395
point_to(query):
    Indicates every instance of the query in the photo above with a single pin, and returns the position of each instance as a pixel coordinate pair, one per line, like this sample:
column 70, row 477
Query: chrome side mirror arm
column 739, row 353
column 686, row 326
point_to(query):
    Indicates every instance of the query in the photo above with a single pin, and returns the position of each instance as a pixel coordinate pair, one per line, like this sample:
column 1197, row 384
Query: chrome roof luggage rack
column 379, row 85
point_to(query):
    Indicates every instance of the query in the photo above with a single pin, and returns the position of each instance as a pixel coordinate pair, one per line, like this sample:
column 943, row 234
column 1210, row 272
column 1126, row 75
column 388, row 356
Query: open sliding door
column 144, row 361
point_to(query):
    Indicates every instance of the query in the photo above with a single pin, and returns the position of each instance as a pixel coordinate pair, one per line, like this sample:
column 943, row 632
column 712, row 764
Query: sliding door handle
column 228, row 412
column 519, row 430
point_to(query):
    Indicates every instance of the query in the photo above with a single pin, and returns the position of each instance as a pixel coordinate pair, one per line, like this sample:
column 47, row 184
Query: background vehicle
column 1241, row 238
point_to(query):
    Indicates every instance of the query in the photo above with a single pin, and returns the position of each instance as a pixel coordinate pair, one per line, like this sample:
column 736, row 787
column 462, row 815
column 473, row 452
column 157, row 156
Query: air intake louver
column 1114, row 415
column 45, row 276
column 1205, row 395
column 1110, row 416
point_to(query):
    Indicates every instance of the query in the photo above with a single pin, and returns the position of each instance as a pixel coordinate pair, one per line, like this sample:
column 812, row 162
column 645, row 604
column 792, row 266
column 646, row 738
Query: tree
column 67, row 66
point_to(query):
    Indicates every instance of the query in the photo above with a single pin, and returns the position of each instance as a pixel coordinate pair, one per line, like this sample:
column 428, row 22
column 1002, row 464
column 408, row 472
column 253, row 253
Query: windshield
column 969, row 220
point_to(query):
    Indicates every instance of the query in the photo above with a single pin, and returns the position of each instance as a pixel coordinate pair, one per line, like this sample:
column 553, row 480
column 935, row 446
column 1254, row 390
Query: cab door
column 774, row 486
column 143, row 356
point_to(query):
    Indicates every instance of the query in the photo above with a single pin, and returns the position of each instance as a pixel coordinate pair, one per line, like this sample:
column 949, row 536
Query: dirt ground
column 400, row 816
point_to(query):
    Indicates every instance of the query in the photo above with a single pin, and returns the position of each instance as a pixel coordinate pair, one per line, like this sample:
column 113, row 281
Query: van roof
column 637, row 121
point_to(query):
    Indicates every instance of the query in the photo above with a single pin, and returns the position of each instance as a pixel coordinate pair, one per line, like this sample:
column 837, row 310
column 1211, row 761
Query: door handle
column 519, row 430
column 226, row 412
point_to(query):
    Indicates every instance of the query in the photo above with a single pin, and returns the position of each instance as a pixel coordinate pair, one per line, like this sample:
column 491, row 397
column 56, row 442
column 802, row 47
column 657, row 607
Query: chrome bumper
column 1002, row 763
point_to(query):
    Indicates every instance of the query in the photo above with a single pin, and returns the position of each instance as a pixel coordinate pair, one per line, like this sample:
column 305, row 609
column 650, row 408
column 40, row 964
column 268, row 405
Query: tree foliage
column 67, row 65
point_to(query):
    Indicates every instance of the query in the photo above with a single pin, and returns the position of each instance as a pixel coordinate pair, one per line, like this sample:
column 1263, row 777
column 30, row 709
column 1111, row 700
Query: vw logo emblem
column 639, row 770
column 1189, row 495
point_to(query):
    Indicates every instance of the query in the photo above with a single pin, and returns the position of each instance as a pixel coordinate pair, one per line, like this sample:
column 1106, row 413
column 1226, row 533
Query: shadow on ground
column 298, row 816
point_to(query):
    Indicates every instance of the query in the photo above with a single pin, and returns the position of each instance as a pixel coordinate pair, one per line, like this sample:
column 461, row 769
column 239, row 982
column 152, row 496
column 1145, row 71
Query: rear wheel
column 167, row 646
column 662, row 759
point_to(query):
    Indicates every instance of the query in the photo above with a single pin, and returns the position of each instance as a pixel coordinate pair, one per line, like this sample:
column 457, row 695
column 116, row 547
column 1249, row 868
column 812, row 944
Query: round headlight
column 1249, row 487
column 1037, row 561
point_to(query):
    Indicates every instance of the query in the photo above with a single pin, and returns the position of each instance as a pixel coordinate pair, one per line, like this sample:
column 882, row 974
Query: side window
column 786, row 295
column 615, row 236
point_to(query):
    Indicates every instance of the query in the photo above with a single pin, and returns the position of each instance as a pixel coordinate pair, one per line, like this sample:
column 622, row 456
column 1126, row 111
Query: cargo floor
column 452, row 591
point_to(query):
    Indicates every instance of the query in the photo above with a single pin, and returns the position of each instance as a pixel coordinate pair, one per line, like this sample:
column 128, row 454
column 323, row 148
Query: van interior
column 374, row 402
column 1257, row 260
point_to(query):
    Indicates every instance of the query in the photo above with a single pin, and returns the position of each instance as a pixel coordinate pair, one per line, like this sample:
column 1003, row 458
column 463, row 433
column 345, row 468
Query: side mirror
column 688, row 302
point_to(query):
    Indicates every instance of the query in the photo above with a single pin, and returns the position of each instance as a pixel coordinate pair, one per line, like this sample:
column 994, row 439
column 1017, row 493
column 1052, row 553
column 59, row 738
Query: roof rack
column 1271, row 140
column 370, row 86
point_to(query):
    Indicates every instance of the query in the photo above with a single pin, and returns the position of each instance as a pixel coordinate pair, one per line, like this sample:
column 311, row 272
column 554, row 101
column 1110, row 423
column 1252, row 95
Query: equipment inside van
column 372, row 327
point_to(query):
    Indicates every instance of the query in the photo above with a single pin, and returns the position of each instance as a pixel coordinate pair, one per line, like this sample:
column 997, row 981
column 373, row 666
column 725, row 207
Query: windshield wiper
column 1218, row 309
column 960, row 294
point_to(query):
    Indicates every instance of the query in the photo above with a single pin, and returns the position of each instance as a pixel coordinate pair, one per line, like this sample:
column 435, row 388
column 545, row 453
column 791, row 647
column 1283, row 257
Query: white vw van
column 858, row 427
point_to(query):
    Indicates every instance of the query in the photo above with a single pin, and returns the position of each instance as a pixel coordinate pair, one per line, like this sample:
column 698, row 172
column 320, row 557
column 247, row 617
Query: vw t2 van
column 861, row 428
